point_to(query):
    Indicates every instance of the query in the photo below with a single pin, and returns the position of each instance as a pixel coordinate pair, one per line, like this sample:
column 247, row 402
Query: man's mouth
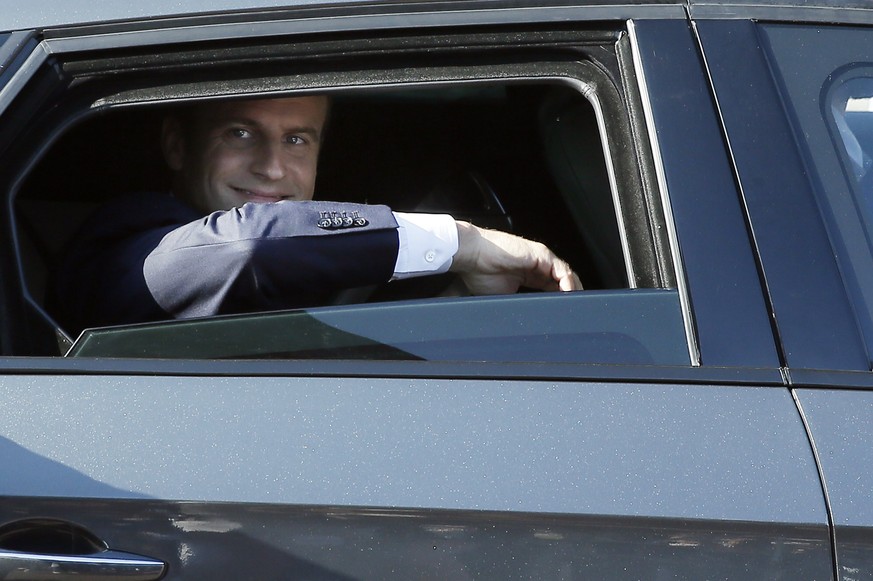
column 261, row 197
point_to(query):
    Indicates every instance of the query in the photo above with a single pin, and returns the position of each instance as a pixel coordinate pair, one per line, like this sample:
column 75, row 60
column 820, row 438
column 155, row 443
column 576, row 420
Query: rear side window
column 827, row 77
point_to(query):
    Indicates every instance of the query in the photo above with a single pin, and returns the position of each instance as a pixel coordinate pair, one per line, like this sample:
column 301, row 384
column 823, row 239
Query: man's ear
column 173, row 143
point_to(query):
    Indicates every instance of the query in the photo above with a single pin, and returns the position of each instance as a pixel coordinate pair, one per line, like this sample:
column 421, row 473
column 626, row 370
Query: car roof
column 36, row 14
column 43, row 14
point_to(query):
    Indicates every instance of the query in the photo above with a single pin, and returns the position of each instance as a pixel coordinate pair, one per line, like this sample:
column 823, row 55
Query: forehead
column 283, row 113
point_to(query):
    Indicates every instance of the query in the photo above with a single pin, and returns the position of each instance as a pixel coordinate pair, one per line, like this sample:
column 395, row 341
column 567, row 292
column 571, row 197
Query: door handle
column 101, row 566
column 40, row 549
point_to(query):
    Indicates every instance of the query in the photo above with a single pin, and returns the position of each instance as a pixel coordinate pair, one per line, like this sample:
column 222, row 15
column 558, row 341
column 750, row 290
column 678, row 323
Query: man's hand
column 492, row 262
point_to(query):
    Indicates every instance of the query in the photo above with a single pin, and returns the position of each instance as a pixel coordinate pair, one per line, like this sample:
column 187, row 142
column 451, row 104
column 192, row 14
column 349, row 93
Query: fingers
column 570, row 283
column 543, row 270
column 566, row 278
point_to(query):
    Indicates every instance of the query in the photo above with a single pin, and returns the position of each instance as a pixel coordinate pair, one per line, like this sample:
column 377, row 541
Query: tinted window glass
column 826, row 75
column 641, row 327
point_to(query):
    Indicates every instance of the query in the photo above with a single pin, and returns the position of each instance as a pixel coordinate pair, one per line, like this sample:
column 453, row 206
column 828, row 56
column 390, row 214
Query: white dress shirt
column 428, row 242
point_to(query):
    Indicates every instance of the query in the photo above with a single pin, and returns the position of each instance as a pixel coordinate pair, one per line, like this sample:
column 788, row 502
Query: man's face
column 236, row 152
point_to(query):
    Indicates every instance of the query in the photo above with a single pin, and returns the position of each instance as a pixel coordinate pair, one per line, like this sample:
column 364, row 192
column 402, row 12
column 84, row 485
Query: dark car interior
column 523, row 158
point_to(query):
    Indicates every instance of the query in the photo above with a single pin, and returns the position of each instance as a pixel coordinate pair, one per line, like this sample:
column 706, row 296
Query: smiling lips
column 262, row 197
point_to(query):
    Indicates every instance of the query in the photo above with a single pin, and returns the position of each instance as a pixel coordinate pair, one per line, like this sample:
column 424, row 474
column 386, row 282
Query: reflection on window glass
column 848, row 109
column 851, row 105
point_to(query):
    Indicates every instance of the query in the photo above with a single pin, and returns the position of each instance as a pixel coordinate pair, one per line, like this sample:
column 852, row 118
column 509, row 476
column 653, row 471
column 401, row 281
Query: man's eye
column 295, row 140
column 239, row 133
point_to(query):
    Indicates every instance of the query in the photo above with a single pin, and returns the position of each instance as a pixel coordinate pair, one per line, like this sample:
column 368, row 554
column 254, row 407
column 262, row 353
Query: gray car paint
column 734, row 453
column 841, row 423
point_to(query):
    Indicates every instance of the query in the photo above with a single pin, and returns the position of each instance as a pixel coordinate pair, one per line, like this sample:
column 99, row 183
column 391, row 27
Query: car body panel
column 551, row 458
column 270, row 541
column 469, row 445
column 729, row 314
column 841, row 424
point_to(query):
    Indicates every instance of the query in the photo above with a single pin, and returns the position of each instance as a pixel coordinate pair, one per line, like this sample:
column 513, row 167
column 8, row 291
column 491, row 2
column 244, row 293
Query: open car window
column 546, row 154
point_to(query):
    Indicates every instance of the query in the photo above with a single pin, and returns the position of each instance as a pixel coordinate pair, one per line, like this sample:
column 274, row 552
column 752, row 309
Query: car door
column 806, row 203
column 643, row 431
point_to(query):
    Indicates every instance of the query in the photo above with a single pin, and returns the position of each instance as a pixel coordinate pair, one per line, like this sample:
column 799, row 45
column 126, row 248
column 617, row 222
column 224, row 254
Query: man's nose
column 268, row 162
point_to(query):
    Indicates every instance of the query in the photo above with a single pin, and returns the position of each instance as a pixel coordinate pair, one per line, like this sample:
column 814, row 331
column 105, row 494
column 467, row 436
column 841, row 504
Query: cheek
column 301, row 178
column 222, row 162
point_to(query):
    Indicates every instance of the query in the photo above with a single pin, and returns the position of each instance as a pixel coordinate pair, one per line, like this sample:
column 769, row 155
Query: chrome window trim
column 806, row 14
column 20, row 78
column 681, row 283
column 191, row 31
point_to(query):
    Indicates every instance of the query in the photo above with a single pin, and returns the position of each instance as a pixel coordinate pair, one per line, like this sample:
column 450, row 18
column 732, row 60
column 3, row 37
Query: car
column 702, row 410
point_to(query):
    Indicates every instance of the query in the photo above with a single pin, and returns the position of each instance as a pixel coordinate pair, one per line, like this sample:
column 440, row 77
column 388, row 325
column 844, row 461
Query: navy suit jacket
column 149, row 257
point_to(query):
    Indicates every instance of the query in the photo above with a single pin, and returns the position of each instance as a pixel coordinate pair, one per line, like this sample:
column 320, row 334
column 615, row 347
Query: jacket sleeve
column 148, row 257
column 270, row 256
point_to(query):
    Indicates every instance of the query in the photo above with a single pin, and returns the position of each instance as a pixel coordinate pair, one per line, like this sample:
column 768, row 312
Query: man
column 240, row 232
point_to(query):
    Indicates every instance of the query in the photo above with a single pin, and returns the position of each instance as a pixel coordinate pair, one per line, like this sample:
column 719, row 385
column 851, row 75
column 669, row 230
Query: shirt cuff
column 428, row 242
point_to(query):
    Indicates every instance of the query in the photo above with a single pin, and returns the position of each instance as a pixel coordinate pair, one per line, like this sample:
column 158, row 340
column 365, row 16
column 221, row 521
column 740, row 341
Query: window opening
column 525, row 156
